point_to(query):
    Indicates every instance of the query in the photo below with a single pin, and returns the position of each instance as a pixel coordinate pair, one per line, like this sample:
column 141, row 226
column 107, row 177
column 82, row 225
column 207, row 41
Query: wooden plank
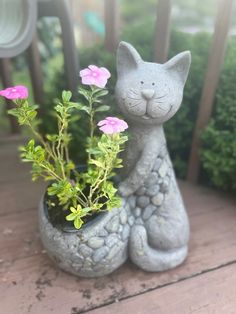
column 162, row 31
column 19, row 196
column 215, row 61
column 213, row 292
column 7, row 81
column 111, row 24
column 17, row 191
column 10, row 159
column 37, row 286
column 19, row 240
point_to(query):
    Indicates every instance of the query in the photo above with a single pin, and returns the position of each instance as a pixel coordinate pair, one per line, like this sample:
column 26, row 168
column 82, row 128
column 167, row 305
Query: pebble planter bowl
column 97, row 249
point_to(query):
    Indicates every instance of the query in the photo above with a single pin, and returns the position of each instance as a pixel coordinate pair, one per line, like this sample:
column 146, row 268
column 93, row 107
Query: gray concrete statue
column 151, row 226
column 148, row 95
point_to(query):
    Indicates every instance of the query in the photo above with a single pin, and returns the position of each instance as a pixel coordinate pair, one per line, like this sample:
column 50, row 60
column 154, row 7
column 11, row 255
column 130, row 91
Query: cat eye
column 142, row 82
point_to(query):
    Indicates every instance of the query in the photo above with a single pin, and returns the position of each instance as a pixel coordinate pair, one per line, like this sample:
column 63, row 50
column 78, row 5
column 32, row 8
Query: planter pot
column 97, row 249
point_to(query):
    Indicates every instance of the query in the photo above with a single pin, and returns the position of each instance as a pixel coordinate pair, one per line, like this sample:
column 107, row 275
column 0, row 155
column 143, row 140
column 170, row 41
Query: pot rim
column 70, row 229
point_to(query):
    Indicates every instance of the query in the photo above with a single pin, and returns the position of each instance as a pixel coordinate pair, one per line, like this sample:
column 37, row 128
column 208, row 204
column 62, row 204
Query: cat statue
column 149, row 94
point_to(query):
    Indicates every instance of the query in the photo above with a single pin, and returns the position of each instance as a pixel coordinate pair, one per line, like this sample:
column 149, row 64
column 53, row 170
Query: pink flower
column 112, row 125
column 15, row 92
column 95, row 76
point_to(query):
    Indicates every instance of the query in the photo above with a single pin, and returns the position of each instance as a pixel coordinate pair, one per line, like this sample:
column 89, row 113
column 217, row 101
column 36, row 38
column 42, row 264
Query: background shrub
column 219, row 138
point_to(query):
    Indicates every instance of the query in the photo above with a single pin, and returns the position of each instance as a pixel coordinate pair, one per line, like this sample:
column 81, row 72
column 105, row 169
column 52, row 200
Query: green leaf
column 14, row 112
column 52, row 137
column 71, row 217
column 97, row 163
column 101, row 92
column 85, row 108
column 66, row 96
column 78, row 222
column 102, row 108
column 72, row 209
column 85, row 93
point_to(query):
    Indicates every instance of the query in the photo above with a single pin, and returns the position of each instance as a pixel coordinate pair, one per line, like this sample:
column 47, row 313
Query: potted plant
column 83, row 222
column 148, row 221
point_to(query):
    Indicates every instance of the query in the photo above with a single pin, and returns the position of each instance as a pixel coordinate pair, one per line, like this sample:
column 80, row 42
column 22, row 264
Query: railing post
column 215, row 61
column 5, row 70
column 111, row 24
column 36, row 73
column 61, row 9
column 162, row 31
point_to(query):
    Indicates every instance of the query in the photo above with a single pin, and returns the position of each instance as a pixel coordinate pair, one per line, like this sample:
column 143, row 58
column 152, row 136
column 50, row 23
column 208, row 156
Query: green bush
column 219, row 138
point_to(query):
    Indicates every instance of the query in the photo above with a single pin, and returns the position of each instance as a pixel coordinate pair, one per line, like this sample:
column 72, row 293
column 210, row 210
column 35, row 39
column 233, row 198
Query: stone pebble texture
column 103, row 246
column 94, row 250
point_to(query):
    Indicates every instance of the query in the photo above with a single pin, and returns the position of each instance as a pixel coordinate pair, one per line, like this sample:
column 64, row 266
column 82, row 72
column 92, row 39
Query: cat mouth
column 146, row 116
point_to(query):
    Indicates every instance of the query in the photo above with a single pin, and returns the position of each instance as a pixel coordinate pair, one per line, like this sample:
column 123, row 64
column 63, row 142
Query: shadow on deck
column 30, row 283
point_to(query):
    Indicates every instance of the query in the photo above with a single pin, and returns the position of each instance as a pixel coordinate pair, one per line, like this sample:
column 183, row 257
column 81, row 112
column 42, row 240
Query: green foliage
column 87, row 192
column 76, row 215
column 219, row 138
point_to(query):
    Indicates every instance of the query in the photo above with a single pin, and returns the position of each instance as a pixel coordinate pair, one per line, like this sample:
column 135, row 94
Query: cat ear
column 127, row 58
column 180, row 65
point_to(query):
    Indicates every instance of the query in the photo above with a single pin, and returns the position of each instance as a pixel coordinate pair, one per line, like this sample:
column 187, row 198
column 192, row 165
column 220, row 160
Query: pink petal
column 23, row 90
column 84, row 72
column 112, row 119
column 100, row 81
column 105, row 72
column 15, row 92
column 124, row 125
column 107, row 129
column 102, row 122
column 93, row 67
column 88, row 80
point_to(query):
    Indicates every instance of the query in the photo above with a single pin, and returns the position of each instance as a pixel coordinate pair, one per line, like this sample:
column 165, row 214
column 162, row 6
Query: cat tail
column 151, row 259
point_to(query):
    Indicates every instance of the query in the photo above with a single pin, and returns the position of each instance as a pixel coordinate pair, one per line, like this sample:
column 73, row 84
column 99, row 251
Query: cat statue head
column 149, row 93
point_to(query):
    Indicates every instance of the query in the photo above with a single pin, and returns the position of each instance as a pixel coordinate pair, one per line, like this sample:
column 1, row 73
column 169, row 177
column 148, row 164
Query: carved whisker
column 134, row 91
column 160, row 97
column 133, row 98
column 135, row 105
column 159, row 107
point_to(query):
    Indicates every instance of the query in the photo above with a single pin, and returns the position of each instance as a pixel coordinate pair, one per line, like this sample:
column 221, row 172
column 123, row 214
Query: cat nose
column 147, row 93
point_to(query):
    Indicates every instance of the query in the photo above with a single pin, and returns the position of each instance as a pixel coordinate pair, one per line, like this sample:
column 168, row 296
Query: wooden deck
column 30, row 283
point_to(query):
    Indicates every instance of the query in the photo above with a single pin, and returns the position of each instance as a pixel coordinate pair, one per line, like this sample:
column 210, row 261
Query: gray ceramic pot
column 97, row 249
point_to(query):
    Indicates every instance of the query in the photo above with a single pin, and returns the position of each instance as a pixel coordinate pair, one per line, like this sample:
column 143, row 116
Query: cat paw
column 124, row 189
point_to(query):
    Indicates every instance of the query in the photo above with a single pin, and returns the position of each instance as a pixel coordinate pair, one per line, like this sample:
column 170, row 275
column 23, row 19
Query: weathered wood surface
column 30, row 283
column 211, row 293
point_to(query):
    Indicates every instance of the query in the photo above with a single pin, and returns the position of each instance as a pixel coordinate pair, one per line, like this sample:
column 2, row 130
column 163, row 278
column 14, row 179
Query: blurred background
column 202, row 143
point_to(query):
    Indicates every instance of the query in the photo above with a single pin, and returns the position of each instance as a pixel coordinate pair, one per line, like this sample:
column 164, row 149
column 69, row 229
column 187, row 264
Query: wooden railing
column 161, row 44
